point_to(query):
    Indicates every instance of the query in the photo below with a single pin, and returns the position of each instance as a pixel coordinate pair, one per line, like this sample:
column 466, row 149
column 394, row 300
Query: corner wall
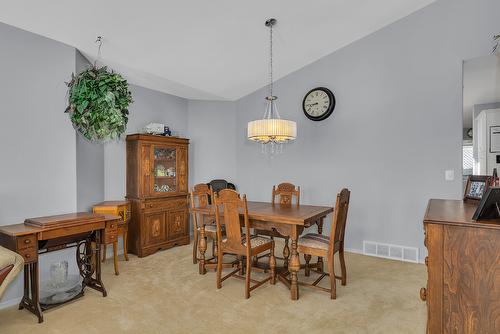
column 37, row 141
column 212, row 134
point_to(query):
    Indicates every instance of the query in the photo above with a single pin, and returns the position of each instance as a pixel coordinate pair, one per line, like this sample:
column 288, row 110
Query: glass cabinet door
column 164, row 170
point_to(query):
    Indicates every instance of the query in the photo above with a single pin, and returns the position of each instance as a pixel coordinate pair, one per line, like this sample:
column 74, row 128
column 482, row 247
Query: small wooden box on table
column 116, row 208
column 45, row 234
column 463, row 286
column 157, row 187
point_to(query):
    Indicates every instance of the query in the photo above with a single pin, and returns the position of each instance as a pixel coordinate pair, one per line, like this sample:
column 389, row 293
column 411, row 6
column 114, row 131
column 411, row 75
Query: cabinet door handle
column 423, row 294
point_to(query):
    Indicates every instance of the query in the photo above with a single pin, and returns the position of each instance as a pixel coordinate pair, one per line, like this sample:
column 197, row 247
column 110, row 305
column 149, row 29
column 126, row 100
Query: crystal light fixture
column 271, row 131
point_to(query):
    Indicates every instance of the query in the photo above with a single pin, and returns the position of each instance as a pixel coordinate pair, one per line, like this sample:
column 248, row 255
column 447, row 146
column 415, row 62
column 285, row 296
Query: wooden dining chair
column 314, row 244
column 199, row 197
column 286, row 193
column 228, row 205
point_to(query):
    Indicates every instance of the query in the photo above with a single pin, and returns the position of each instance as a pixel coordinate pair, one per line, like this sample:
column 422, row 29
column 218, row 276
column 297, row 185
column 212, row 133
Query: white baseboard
column 10, row 303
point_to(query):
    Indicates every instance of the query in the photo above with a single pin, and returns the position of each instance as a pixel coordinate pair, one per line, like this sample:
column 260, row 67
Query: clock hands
column 312, row 104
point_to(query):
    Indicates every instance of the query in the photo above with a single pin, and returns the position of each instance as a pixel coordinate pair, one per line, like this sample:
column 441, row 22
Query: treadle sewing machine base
column 37, row 236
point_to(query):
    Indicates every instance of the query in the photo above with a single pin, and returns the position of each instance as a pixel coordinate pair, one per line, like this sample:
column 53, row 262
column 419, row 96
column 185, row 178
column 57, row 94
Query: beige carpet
column 163, row 293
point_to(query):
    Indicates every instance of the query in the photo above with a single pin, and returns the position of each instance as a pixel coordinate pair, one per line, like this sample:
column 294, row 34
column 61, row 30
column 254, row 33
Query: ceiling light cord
column 271, row 59
column 98, row 41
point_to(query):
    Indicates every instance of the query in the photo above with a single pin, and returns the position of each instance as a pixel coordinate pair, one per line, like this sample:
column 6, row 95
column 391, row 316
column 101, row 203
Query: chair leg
column 240, row 264
column 125, row 245
column 219, row 269
column 272, row 265
column 342, row 266
column 247, row 277
column 104, row 253
column 195, row 248
column 115, row 257
column 307, row 270
column 213, row 248
column 331, row 272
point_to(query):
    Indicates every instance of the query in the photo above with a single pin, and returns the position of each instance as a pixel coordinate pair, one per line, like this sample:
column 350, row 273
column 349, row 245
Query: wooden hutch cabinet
column 157, row 187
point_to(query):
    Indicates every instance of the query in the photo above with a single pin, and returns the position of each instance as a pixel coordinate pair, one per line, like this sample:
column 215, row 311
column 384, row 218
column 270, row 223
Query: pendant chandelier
column 271, row 131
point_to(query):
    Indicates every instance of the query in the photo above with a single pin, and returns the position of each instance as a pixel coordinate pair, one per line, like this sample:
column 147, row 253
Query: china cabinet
column 157, row 187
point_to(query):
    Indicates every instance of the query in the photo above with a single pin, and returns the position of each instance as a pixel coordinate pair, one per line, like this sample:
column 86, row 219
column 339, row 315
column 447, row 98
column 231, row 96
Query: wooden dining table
column 288, row 220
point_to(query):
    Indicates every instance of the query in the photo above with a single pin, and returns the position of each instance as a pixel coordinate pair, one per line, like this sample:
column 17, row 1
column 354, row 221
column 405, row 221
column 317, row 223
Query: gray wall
column 149, row 106
column 89, row 162
column 212, row 131
column 37, row 141
column 396, row 129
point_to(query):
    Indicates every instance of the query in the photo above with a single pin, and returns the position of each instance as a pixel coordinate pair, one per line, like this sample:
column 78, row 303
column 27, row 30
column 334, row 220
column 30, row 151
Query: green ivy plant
column 496, row 40
column 98, row 103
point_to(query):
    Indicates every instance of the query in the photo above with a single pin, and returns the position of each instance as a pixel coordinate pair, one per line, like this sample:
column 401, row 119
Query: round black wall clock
column 318, row 104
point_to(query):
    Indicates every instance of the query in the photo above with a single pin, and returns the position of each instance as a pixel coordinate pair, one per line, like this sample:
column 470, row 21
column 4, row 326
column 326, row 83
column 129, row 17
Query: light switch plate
column 449, row 174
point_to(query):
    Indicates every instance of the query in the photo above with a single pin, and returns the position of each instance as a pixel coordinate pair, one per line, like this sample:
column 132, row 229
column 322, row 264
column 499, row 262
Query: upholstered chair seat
column 210, row 228
column 314, row 240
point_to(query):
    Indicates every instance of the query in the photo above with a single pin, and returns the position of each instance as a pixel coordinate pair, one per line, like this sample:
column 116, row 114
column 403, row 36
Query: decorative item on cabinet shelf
column 158, row 129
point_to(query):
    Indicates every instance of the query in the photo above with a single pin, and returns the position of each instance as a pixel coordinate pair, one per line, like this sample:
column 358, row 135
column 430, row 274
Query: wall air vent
column 388, row 251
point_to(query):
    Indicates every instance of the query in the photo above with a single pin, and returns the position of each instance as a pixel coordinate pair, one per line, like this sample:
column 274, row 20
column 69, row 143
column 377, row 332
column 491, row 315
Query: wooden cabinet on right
column 463, row 287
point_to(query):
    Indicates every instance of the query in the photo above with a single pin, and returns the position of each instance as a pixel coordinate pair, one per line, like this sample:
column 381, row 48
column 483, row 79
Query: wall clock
column 318, row 103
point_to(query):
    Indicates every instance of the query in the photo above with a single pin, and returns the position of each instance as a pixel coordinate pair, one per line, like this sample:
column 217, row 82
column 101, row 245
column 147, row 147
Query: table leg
column 30, row 299
column 35, row 292
column 319, row 267
column 98, row 280
column 26, row 294
column 294, row 265
column 125, row 243
column 90, row 269
column 286, row 254
column 202, row 247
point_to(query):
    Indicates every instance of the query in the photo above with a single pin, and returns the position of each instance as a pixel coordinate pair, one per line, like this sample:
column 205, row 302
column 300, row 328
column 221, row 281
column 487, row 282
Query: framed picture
column 494, row 139
column 489, row 206
column 476, row 187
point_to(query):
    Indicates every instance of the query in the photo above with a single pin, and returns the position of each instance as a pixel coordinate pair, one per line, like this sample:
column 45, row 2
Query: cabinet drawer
column 111, row 232
column 29, row 254
column 164, row 205
column 28, row 241
column 110, row 236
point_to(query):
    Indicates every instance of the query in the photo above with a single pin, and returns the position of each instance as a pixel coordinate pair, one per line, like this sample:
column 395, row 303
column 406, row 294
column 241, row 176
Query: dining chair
column 286, row 193
column 228, row 206
column 219, row 184
column 314, row 244
column 199, row 197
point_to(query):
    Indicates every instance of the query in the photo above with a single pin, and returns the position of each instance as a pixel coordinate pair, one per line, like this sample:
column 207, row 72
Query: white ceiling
column 202, row 49
column 481, row 84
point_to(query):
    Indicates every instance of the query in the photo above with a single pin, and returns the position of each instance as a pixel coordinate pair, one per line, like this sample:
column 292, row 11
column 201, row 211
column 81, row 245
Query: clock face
column 318, row 104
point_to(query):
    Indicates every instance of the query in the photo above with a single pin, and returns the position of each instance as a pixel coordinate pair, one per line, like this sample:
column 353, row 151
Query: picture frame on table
column 476, row 187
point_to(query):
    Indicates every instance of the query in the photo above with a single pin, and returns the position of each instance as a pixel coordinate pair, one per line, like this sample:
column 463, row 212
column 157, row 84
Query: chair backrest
column 218, row 185
column 286, row 192
column 200, row 198
column 339, row 218
column 228, row 206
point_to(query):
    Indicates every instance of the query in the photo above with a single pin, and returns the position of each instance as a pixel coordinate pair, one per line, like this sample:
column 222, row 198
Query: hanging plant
column 98, row 103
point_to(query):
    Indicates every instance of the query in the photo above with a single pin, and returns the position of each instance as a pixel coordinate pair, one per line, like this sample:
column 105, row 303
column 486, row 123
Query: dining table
column 289, row 221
